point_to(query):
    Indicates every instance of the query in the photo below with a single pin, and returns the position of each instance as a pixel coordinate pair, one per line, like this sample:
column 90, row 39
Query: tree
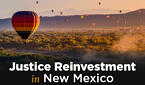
column 2, row 49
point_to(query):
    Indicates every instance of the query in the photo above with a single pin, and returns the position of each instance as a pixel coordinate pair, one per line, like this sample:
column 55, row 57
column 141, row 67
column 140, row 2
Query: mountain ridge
column 133, row 18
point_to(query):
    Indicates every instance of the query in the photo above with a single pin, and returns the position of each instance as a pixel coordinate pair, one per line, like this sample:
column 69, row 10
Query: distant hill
column 132, row 18
column 5, row 23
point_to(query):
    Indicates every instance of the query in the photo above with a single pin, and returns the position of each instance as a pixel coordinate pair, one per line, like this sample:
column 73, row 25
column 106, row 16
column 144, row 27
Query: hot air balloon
column 61, row 13
column 108, row 17
column 86, row 15
column 93, row 24
column 82, row 17
column 99, row 3
column 25, row 23
column 52, row 10
column 120, row 11
column 37, row 2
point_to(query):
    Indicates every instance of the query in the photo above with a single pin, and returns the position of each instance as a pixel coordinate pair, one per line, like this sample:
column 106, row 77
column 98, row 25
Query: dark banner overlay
column 34, row 73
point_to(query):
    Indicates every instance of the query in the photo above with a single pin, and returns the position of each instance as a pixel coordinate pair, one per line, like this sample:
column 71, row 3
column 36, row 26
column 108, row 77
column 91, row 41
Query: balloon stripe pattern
column 25, row 23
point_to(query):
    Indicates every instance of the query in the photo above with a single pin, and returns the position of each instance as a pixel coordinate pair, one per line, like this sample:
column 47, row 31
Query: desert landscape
column 95, row 38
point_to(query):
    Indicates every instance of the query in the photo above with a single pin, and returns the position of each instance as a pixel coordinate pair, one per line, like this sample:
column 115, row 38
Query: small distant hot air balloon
column 86, row 15
column 37, row 2
column 25, row 23
column 82, row 17
column 120, row 11
column 61, row 13
column 99, row 3
column 93, row 24
column 52, row 10
column 108, row 17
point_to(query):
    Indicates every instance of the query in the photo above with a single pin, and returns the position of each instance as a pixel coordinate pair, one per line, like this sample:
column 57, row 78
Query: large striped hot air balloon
column 25, row 23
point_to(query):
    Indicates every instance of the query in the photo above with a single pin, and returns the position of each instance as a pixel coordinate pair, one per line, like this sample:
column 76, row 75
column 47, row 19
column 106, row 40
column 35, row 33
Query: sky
column 9, row 7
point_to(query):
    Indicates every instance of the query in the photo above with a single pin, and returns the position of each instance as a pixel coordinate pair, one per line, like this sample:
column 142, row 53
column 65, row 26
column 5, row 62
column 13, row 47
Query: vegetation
column 70, row 46
column 6, row 59
column 60, row 41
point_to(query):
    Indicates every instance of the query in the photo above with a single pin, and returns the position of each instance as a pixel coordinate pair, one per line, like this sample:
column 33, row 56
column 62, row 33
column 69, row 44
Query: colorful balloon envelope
column 25, row 23
column 120, row 11
column 86, row 15
column 37, row 2
column 99, row 3
column 93, row 24
column 82, row 17
column 108, row 17
column 61, row 13
column 52, row 10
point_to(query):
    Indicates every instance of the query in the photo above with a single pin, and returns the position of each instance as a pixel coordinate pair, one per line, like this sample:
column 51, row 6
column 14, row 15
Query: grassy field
column 122, row 46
